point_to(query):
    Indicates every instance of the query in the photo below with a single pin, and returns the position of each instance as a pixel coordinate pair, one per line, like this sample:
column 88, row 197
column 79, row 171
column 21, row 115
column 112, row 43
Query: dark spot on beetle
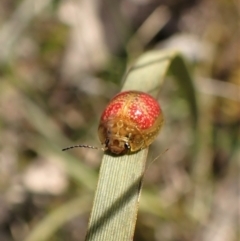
column 116, row 142
column 127, row 146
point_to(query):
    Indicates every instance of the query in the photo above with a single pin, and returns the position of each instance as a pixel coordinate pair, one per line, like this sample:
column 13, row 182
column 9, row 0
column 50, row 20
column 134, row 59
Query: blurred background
column 61, row 61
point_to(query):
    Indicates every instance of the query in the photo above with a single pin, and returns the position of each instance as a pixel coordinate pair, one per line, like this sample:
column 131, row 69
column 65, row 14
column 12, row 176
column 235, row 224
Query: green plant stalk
column 116, row 198
column 116, row 201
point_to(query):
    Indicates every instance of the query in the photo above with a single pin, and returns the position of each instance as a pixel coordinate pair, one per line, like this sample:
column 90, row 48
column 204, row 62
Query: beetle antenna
column 83, row 146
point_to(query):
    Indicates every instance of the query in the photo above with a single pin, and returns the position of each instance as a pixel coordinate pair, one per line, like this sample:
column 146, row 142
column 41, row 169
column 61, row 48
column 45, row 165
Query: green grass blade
column 185, row 82
column 117, row 196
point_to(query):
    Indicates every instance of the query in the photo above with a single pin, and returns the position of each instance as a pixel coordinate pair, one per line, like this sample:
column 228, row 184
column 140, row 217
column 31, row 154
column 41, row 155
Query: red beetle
column 130, row 122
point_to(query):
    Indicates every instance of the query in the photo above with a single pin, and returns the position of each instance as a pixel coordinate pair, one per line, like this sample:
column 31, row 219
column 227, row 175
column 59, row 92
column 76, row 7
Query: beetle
column 130, row 122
